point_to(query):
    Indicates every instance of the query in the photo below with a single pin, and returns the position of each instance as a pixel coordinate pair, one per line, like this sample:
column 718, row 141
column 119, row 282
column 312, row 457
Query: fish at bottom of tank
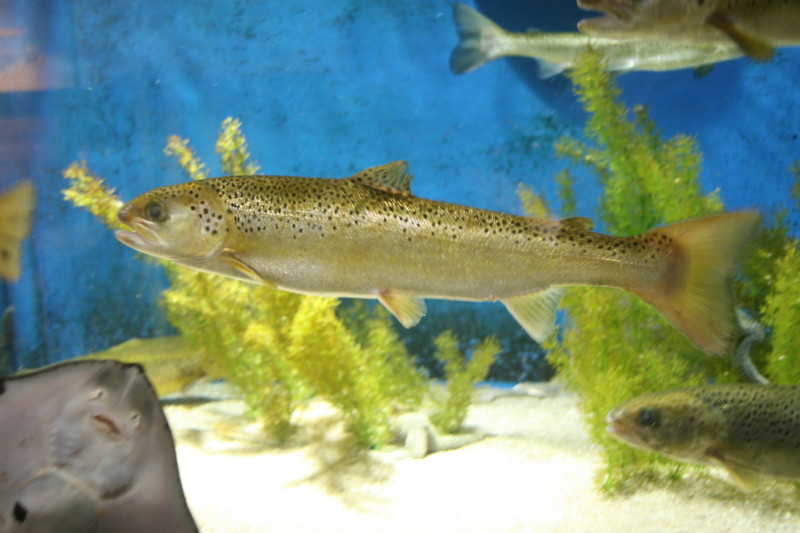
column 748, row 429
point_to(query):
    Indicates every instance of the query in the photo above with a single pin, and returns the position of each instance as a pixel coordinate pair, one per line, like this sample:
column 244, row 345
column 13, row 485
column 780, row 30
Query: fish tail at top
column 695, row 294
column 476, row 33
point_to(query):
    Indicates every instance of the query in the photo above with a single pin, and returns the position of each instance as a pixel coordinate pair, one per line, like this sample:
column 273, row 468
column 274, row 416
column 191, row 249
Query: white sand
column 535, row 474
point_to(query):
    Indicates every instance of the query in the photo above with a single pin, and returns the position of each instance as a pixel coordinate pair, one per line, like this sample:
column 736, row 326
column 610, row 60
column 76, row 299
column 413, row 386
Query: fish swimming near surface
column 482, row 40
column 756, row 26
column 85, row 447
column 367, row 236
column 16, row 212
column 748, row 429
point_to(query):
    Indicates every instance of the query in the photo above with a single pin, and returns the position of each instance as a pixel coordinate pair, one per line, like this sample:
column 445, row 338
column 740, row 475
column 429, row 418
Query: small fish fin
column 546, row 69
column 406, row 308
column 578, row 223
column 744, row 476
column 228, row 257
column 695, row 294
column 16, row 213
column 703, row 70
column 391, row 177
column 536, row 311
column 752, row 46
column 477, row 34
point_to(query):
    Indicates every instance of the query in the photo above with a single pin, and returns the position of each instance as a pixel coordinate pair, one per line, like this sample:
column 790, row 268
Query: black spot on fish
column 20, row 513
column 2, row 386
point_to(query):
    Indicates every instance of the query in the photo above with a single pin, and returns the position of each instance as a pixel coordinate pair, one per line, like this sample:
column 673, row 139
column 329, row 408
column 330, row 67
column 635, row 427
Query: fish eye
column 155, row 211
column 649, row 418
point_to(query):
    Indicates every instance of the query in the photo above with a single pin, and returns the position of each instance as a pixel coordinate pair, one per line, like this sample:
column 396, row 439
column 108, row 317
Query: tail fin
column 16, row 211
column 476, row 33
column 695, row 295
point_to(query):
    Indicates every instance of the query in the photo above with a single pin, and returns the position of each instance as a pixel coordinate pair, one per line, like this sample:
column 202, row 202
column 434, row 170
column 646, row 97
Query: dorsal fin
column 391, row 177
column 578, row 223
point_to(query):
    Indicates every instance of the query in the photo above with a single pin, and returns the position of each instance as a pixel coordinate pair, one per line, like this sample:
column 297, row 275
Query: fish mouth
column 143, row 237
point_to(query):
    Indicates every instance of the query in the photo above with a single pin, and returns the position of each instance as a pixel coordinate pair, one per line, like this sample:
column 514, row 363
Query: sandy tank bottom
column 534, row 472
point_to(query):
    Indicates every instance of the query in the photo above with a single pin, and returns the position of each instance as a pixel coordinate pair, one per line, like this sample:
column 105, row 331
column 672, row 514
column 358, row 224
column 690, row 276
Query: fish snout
column 615, row 424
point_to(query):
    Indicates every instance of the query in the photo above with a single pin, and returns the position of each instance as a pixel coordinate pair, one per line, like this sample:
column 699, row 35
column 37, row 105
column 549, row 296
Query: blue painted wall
column 323, row 88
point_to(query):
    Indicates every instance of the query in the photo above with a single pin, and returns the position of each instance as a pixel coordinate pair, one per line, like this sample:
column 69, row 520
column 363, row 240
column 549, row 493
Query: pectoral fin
column 407, row 309
column 744, row 476
column 535, row 312
column 229, row 258
column 754, row 47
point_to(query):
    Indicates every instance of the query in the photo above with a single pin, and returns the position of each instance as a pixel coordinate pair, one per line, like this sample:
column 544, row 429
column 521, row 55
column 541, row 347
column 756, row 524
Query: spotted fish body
column 367, row 237
column 756, row 26
column 748, row 429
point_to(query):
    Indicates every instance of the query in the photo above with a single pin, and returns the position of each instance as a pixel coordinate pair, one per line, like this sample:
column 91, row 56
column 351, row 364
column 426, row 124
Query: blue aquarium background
column 323, row 88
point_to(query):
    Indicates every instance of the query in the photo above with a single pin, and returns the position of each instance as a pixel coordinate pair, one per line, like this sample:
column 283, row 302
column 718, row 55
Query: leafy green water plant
column 277, row 347
column 781, row 309
column 462, row 374
column 614, row 346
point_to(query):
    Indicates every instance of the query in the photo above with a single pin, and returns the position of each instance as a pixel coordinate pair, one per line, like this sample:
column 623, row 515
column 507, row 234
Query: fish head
column 643, row 18
column 673, row 423
column 184, row 222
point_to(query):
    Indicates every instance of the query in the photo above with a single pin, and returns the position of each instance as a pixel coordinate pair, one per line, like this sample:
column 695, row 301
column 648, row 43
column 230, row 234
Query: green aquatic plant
column 88, row 191
column 461, row 374
column 781, row 309
column 277, row 347
column 781, row 313
column 614, row 346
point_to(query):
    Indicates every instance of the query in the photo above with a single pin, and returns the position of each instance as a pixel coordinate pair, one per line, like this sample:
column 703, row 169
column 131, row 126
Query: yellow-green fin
column 391, row 177
column 535, row 312
column 229, row 258
column 752, row 46
column 695, row 294
column 16, row 212
column 578, row 223
column 406, row 308
column 744, row 476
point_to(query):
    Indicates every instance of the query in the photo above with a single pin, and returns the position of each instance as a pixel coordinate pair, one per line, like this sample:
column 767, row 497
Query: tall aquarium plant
column 781, row 308
column 614, row 346
column 276, row 347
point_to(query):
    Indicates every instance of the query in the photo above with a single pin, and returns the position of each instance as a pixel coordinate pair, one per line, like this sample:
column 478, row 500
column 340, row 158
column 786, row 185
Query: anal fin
column 536, row 311
column 406, row 308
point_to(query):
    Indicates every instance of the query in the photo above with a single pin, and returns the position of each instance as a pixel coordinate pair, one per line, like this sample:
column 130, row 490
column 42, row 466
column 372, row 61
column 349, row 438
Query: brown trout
column 757, row 26
column 482, row 40
column 748, row 429
column 16, row 213
column 367, row 236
